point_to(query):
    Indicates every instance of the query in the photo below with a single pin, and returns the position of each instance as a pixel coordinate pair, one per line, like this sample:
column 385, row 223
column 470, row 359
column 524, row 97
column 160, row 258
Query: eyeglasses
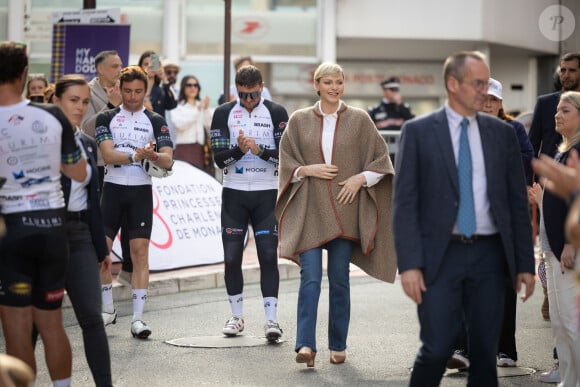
column 393, row 88
column 252, row 95
column 191, row 85
column 171, row 72
column 478, row 84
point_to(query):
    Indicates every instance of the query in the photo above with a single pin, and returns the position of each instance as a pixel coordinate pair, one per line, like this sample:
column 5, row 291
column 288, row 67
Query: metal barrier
column 392, row 138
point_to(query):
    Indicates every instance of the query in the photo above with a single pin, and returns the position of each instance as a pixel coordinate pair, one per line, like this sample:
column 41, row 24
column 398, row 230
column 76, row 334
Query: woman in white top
column 191, row 119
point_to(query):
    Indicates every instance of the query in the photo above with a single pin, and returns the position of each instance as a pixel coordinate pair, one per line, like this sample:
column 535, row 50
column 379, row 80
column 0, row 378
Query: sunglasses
column 393, row 88
column 252, row 95
column 171, row 72
column 191, row 85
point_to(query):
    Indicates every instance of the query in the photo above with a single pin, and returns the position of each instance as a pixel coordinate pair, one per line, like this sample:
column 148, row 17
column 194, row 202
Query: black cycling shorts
column 33, row 259
column 131, row 202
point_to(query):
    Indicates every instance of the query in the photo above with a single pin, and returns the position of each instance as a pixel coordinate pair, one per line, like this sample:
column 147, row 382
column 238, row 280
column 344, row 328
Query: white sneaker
column 140, row 330
column 551, row 376
column 458, row 360
column 233, row 326
column 504, row 360
column 109, row 318
column 272, row 331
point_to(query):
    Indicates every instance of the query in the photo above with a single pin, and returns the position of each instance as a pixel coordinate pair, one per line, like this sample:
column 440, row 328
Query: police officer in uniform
column 391, row 112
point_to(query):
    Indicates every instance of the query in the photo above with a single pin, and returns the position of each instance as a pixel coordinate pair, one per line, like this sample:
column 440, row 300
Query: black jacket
column 554, row 211
column 94, row 191
column 543, row 135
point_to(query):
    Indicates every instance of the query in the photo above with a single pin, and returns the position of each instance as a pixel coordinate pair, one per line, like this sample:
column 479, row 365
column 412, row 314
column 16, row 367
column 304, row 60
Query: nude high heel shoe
column 337, row 357
column 306, row 355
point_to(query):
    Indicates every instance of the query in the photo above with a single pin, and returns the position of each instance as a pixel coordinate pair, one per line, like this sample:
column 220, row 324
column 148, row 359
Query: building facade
column 371, row 39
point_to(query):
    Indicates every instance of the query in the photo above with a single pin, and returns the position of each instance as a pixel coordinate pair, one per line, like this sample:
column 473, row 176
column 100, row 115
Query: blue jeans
column 339, row 252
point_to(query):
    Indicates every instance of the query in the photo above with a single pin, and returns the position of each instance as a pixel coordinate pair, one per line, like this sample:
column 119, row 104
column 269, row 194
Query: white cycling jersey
column 34, row 141
column 129, row 131
column 248, row 172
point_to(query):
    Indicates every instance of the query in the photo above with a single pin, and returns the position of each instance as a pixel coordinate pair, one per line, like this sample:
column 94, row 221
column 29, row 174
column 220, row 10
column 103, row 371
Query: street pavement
column 383, row 337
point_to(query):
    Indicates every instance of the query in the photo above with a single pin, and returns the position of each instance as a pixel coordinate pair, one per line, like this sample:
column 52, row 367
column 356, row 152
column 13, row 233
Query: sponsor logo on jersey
column 234, row 231
column 262, row 232
column 255, row 170
column 20, row 288
column 15, row 120
column 38, row 169
column 282, row 125
column 262, row 124
column 141, row 129
column 226, row 171
column 18, row 175
column 11, row 198
column 239, row 170
column 54, row 295
column 29, row 182
column 12, row 160
column 38, row 203
column 164, row 129
column 101, row 130
column 39, row 127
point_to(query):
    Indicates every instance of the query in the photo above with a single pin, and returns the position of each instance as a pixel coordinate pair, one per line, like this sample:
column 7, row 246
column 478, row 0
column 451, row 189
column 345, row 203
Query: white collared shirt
column 483, row 216
column 78, row 198
column 328, row 130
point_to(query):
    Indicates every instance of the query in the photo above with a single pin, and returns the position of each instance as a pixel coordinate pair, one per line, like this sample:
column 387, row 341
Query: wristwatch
column 130, row 157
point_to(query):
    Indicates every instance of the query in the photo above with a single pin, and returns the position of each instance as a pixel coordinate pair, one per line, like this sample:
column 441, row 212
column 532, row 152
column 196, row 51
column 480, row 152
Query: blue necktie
column 466, row 214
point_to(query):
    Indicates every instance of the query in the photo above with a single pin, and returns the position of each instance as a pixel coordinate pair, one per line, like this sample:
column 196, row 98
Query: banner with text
column 74, row 47
column 186, row 220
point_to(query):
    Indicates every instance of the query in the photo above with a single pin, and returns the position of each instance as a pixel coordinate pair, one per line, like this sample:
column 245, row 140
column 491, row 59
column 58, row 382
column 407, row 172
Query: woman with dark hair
column 159, row 92
column 86, row 234
column 192, row 120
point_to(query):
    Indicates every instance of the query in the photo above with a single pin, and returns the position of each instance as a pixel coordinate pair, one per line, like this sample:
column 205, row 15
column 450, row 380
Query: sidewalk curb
column 176, row 282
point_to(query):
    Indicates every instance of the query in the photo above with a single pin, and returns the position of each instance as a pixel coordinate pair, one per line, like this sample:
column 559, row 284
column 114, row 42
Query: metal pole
column 89, row 4
column 227, row 48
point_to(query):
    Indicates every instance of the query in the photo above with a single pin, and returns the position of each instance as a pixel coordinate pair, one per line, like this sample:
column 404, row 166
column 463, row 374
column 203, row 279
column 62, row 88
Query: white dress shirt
column 485, row 224
column 328, row 130
column 79, row 196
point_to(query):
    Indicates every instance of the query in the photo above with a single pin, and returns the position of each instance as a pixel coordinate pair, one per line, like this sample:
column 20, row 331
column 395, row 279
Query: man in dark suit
column 461, row 223
column 543, row 135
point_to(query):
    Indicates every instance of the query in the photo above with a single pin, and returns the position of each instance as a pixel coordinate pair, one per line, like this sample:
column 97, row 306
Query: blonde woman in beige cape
column 334, row 194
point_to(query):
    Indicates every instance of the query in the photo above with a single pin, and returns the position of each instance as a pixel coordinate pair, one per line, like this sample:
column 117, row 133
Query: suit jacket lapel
column 441, row 129
column 488, row 149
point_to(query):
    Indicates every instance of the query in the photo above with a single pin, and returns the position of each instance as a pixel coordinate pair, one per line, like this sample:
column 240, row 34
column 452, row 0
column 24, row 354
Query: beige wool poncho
column 308, row 212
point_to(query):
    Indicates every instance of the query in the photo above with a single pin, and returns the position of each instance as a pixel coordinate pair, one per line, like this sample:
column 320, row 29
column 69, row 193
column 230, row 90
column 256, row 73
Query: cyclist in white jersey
column 126, row 135
column 36, row 143
column 244, row 136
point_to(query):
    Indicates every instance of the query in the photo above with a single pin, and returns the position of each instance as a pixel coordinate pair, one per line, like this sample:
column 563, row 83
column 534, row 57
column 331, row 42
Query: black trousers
column 507, row 338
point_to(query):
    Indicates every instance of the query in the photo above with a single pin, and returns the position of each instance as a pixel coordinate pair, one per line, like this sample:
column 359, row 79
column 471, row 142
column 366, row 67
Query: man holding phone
column 159, row 92
column 160, row 99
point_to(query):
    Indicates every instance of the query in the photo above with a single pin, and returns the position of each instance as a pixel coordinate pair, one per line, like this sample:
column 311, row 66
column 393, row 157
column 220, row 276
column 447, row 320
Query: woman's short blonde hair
column 573, row 98
column 328, row 69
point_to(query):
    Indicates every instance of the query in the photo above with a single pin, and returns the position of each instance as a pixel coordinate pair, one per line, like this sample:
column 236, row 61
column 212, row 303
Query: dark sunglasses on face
column 394, row 89
column 252, row 95
column 191, row 85
column 171, row 72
